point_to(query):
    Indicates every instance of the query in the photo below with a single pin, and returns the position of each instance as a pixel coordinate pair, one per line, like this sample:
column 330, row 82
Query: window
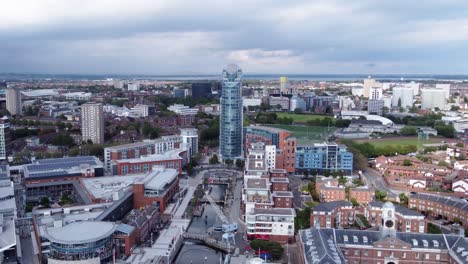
column 379, row 253
column 417, row 255
column 404, row 255
column 427, row 256
column 356, row 252
column 438, row 257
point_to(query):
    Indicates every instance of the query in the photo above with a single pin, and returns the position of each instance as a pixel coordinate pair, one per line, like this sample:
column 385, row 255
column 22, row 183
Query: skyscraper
column 231, row 113
column 13, row 101
column 402, row 96
column 92, row 122
column 370, row 83
column 4, row 137
column 283, row 85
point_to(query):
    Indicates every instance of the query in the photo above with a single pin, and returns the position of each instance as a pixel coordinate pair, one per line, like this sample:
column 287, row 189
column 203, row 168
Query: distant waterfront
column 294, row 77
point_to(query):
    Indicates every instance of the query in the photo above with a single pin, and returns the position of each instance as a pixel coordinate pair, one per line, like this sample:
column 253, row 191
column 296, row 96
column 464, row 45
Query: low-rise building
column 440, row 206
column 174, row 159
column 276, row 224
column 362, row 194
column 327, row 156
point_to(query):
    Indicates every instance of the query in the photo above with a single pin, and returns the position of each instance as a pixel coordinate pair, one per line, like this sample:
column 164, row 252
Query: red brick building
column 440, row 206
column 173, row 159
column 125, row 238
column 362, row 194
column 157, row 189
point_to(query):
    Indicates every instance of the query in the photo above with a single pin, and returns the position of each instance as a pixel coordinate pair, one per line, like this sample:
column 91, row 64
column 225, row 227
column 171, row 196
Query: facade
column 282, row 102
column 402, row 96
column 231, row 117
column 375, row 106
column 445, row 87
column 13, row 101
column 133, row 86
column 173, row 159
column 190, row 139
column 280, row 138
column 182, row 109
column 4, row 138
column 440, row 206
column 297, row 102
column 92, row 122
column 376, row 93
column 143, row 110
column 323, row 157
column 368, row 85
column 156, row 189
column 84, row 242
column 432, row 98
column 385, row 246
column 8, row 236
column 362, row 194
column 140, row 149
column 283, row 84
column 201, row 90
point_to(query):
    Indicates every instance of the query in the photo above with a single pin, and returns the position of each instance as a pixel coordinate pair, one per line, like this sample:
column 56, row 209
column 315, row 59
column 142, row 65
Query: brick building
column 173, row 159
column 156, row 189
column 362, row 194
column 329, row 190
column 385, row 246
column 440, row 206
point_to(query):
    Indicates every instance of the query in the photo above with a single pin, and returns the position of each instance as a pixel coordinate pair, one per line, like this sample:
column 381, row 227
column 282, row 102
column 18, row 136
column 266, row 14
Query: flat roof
column 59, row 167
column 256, row 183
column 283, row 194
column 104, row 187
column 80, row 232
column 278, row 179
column 131, row 145
column 158, row 178
column 269, row 129
column 168, row 155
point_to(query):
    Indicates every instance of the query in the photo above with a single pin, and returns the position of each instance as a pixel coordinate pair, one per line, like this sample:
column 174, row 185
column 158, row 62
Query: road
column 294, row 183
column 375, row 179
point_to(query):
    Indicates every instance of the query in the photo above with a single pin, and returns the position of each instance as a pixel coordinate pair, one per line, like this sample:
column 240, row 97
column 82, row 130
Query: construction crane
column 228, row 228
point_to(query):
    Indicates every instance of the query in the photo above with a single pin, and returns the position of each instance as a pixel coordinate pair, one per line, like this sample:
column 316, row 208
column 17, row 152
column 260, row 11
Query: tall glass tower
column 231, row 118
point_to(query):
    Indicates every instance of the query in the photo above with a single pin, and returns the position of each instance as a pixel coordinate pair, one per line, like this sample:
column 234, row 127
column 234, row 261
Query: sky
column 160, row 37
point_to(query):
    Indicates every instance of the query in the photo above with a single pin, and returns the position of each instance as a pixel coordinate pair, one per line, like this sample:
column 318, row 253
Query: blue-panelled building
column 327, row 156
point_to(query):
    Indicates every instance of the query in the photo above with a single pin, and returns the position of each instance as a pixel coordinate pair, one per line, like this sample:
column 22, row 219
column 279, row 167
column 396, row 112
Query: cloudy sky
column 200, row 36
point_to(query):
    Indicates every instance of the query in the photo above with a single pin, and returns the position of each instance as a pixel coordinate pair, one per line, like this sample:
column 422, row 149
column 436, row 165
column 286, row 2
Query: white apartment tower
column 92, row 122
column 432, row 98
column 4, row 137
column 402, row 95
column 13, row 101
column 190, row 139
column 445, row 87
column 270, row 154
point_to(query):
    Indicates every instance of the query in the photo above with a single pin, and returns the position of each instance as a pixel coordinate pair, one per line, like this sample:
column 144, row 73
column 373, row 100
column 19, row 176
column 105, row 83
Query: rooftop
column 269, row 129
column 283, row 194
column 168, row 155
column 80, row 232
column 256, row 183
column 159, row 177
column 330, row 206
column 449, row 201
column 104, row 187
column 59, row 167
column 398, row 208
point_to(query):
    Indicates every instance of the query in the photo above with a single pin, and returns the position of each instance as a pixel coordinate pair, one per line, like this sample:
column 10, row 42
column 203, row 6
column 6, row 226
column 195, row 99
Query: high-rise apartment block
column 402, row 96
column 324, row 157
column 372, row 89
column 432, row 98
column 13, row 101
column 231, row 117
column 92, row 122
column 190, row 139
column 4, row 137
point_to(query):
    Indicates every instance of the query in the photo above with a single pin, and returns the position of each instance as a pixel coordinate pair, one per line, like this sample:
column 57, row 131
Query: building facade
column 231, row 118
column 92, row 122
column 323, row 157
column 432, row 98
column 4, row 138
column 13, row 101
column 190, row 139
column 402, row 96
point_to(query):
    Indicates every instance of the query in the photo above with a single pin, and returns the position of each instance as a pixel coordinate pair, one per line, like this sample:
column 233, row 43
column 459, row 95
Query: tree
column 399, row 102
column 354, row 202
column 407, row 162
column 380, row 195
column 45, row 202
column 229, row 162
column 240, row 163
column 454, row 108
column 443, row 163
column 459, row 144
column 274, row 248
column 342, row 180
column 403, row 199
column 214, row 159
column 408, row 131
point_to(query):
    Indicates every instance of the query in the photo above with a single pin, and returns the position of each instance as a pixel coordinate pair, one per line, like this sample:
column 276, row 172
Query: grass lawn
column 402, row 141
column 307, row 134
column 301, row 118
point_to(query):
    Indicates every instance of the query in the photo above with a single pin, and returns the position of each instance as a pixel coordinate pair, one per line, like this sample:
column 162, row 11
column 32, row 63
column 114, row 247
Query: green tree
column 45, row 202
column 443, row 163
column 407, row 162
column 380, row 195
column 240, row 163
column 354, row 202
column 408, row 131
column 403, row 199
column 214, row 159
column 229, row 162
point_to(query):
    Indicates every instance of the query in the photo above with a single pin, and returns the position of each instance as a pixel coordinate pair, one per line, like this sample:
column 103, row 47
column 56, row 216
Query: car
column 456, row 224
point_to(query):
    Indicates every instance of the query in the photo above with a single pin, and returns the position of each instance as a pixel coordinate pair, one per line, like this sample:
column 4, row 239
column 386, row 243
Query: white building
column 283, row 102
column 415, row 86
column 270, row 155
column 246, row 102
column 134, row 86
column 297, row 102
column 4, row 137
column 78, row 96
column 387, row 101
column 182, row 109
column 141, row 109
column 119, row 84
column 376, row 93
column 92, row 122
column 8, row 236
column 13, row 101
column 460, row 185
column 432, row 98
column 370, row 83
column 357, row 91
column 190, row 139
column 460, row 125
column 445, row 87
column 402, row 95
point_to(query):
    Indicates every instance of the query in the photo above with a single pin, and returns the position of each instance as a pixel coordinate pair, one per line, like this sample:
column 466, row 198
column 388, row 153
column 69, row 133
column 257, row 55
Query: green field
column 301, row 118
column 402, row 141
column 307, row 134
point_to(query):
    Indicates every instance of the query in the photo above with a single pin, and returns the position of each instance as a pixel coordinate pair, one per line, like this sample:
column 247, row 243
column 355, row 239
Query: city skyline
column 144, row 37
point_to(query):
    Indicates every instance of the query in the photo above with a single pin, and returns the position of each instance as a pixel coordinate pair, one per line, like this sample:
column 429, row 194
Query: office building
column 371, row 85
column 144, row 110
column 182, row 109
column 376, row 93
column 4, row 137
column 118, row 84
column 13, row 101
column 281, row 103
column 324, row 157
column 432, row 98
column 402, row 96
column 92, row 122
column 180, row 92
column 297, row 102
column 231, row 117
column 375, row 107
column 190, row 139
column 285, row 145
column 133, row 86
column 283, row 85
column 202, row 90
column 385, row 246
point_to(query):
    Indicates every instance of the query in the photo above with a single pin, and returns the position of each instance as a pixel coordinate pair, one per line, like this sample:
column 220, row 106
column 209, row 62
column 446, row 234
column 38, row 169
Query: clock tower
column 388, row 226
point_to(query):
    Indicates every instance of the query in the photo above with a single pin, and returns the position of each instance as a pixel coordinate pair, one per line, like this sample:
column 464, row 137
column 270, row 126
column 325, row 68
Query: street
column 374, row 179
